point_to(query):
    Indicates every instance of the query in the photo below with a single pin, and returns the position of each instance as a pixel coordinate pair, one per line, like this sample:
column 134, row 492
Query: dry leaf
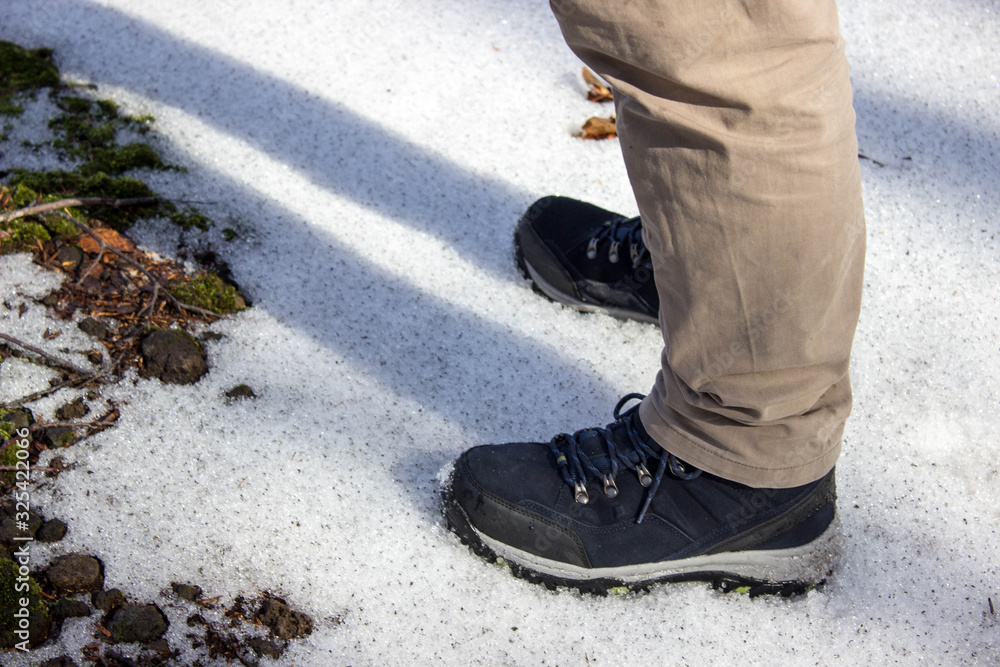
column 596, row 90
column 598, row 128
column 109, row 236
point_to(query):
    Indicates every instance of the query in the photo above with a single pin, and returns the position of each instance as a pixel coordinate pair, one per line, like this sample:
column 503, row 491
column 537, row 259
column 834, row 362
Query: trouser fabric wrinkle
column 737, row 128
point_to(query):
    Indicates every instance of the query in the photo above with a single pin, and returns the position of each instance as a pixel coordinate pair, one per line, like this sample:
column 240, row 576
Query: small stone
column 173, row 356
column 283, row 621
column 76, row 572
column 265, row 647
column 107, row 600
column 56, row 462
column 9, row 527
column 20, row 418
column 69, row 608
column 68, row 258
column 186, row 591
column 57, row 437
column 52, row 530
column 95, row 328
column 72, row 410
column 51, row 300
column 160, row 645
column 241, row 391
column 137, row 623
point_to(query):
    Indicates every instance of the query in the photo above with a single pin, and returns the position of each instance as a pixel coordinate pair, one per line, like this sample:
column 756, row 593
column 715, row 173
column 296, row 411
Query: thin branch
column 100, row 254
column 55, row 361
column 83, row 201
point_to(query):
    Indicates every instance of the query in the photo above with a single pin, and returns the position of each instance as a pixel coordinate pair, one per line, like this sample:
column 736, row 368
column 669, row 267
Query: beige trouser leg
column 737, row 128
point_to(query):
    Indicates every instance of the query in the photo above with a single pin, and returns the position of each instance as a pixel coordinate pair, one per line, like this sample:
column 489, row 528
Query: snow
column 374, row 156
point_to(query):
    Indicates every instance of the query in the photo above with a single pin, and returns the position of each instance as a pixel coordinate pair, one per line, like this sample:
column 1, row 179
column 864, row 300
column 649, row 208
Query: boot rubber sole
column 784, row 572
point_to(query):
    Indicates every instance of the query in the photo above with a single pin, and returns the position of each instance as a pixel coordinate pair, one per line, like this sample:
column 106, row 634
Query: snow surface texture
column 375, row 155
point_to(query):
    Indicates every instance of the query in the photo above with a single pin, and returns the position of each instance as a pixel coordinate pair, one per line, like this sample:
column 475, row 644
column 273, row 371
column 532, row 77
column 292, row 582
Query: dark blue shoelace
column 576, row 467
column 617, row 232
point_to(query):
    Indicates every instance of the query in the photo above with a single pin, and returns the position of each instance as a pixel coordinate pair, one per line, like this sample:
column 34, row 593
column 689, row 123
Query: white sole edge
column 806, row 564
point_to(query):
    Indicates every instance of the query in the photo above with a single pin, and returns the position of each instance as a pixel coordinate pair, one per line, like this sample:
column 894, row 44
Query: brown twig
column 83, row 201
column 100, row 254
column 54, row 361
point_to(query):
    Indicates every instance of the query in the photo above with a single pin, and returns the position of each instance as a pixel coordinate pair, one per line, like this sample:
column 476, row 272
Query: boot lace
column 627, row 231
column 575, row 467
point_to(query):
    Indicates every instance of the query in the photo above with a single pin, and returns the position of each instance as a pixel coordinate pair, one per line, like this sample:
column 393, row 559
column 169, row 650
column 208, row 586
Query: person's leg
column 737, row 129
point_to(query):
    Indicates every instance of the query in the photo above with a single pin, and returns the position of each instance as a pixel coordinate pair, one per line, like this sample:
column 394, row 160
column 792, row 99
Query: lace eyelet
column 592, row 249
column 580, row 494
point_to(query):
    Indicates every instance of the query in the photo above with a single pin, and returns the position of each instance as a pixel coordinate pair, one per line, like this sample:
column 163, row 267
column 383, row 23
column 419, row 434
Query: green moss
column 119, row 159
column 11, row 594
column 8, row 107
column 230, row 234
column 75, row 105
column 8, row 458
column 21, row 235
column 81, row 133
column 74, row 184
column 190, row 220
column 23, row 71
column 26, row 69
column 206, row 290
column 109, row 108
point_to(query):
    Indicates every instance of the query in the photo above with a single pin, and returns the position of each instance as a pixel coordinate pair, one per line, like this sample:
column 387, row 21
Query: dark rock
column 241, row 391
column 186, row 591
column 160, row 645
column 19, row 417
column 56, row 462
column 56, row 437
column 9, row 526
column 69, row 608
column 61, row 661
column 76, row 572
column 68, row 258
column 173, row 356
column 95, row 328
column 137, row 623
column 51, row 300
column 52, row 530
column 283, row 622
column 107, row 600
column 72, row 410
column 265, row 647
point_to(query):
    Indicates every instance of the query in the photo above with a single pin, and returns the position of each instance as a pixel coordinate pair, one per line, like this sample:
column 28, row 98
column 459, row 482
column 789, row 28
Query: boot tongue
column 593, row 445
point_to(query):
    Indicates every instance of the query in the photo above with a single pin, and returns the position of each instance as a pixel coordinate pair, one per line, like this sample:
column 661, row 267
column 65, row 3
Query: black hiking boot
column 586, row 257
column 608, row 508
